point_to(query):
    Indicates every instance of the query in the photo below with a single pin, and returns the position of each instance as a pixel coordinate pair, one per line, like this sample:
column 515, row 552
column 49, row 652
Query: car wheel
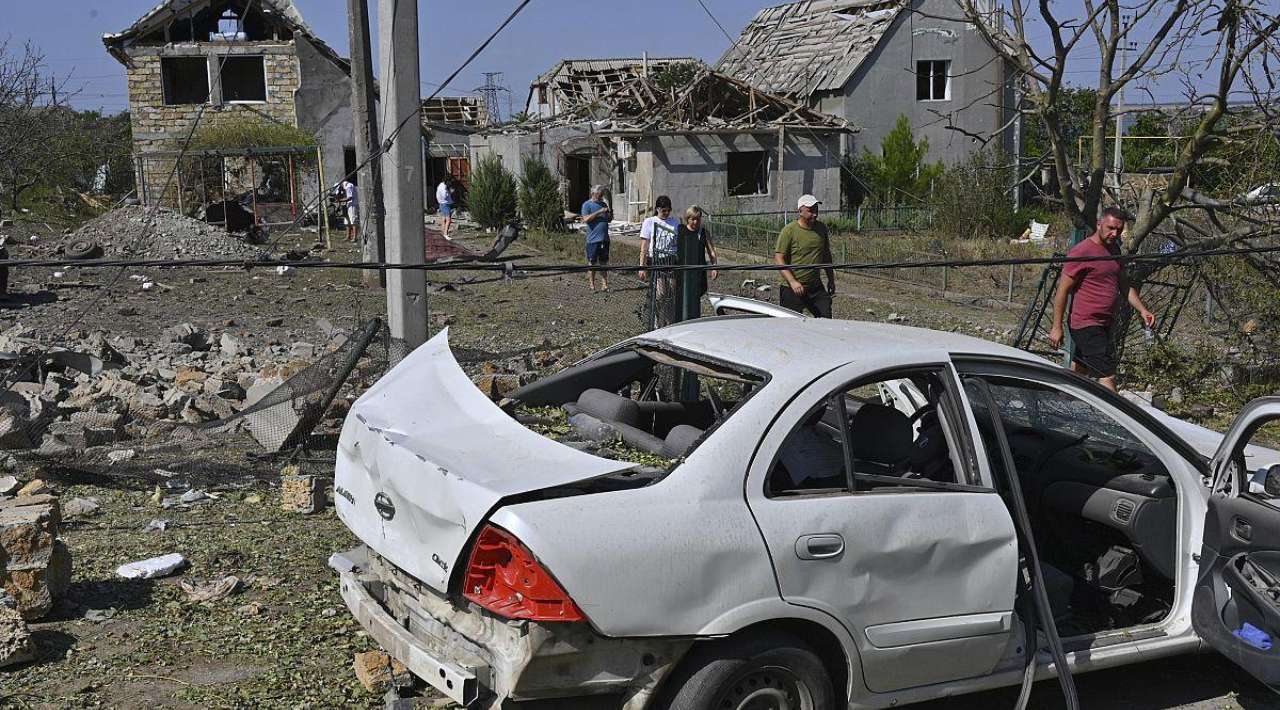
column 764, row 672
column 83, row 249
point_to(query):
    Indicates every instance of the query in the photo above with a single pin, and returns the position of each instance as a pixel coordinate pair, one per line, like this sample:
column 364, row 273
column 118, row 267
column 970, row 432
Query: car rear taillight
column 503, row 577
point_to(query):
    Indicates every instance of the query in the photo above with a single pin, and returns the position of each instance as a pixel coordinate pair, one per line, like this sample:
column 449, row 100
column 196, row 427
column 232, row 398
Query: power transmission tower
column 493, row 86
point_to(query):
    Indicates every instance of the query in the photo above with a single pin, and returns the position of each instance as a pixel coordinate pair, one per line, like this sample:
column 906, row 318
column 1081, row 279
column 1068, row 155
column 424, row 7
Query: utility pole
column 1126, row 20
column 365, row 119
column 402, row 168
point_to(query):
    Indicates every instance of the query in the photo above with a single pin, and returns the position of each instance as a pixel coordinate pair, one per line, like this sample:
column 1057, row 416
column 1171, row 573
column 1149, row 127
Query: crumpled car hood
column 424, row 456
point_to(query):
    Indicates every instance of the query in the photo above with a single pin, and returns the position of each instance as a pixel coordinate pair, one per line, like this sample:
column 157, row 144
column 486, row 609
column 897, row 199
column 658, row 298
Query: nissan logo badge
column 385, row 507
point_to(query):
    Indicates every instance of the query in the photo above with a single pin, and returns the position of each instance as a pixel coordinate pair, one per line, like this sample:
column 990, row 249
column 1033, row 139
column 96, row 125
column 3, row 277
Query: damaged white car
column 846, row 514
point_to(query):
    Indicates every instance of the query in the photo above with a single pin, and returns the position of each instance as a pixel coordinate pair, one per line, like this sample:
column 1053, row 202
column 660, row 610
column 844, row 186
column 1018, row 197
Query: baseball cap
column 807, row 201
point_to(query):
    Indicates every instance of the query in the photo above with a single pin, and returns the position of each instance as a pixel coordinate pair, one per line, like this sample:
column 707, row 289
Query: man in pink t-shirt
column 1095, row 287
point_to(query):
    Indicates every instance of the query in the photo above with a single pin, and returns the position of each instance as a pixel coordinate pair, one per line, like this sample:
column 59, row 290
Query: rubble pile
column 125, row 232
column 111, row 390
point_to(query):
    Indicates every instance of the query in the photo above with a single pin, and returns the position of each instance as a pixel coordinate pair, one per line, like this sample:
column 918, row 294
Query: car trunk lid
column 424, row 456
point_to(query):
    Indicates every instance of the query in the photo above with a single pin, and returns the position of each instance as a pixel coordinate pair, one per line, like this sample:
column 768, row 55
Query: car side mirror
column 1271, row 484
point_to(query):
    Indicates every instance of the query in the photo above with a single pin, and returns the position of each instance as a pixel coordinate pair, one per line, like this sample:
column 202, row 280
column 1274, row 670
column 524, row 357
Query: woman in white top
column 444, row 196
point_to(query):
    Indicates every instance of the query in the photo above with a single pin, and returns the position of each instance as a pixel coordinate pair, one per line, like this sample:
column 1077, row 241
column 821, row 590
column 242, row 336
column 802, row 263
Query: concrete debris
column 161, row 566
column 193, row 496
column 8, row 485
column 80, row 508
column 34, row 488
column 210, row 590
column 99, row 615
column 162, row 234
column 231, row 346
column 120, row 455
column 156, row 525
column 16, row 645
column 35, row 567
column 300, row 494
column 378, row 672
column 23, row 418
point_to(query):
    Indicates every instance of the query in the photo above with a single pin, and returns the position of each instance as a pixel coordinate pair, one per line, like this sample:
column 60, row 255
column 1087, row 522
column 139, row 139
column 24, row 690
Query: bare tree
column 33, row 112
column 1241, row 50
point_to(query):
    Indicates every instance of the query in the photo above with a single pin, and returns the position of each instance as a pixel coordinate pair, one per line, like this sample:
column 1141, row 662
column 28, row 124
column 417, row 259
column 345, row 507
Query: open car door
column 1236, row 608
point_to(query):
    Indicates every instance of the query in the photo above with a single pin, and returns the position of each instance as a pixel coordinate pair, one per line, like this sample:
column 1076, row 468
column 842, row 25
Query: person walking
column 351, row 200
column 802, row 243
column 597, row 215
column 444, row 196
column 1094, row 288
column 695, row 248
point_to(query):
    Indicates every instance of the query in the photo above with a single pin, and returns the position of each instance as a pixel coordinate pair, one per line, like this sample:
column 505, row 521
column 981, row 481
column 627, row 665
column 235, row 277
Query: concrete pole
column 364, row 115
column 402, row 168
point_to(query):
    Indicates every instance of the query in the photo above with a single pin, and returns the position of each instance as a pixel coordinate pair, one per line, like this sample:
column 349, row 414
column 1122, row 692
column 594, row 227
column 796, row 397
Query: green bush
column 541, row 206
column 973, row 200
column 492, row 196
column 241, row 133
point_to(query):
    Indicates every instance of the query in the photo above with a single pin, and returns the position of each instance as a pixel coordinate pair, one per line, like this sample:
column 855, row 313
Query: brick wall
column 161, row 128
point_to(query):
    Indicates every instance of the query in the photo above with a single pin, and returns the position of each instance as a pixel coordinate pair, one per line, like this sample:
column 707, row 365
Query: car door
column 921, row 572
column 1236, row 608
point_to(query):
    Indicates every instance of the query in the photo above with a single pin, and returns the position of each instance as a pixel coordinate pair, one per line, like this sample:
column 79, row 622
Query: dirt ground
column 285, row 639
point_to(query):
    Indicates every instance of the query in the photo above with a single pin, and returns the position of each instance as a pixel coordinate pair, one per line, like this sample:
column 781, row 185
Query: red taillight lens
column 503, row 577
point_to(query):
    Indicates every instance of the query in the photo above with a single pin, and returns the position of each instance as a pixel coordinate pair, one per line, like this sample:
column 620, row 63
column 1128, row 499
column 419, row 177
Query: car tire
column 82, row 249
column 772, row 670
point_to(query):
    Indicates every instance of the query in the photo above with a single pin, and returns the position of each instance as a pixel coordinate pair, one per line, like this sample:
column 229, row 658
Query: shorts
column 598, row 253
column 816, row 300
column 353, row 215
column 1093, row 349
column 446, row 209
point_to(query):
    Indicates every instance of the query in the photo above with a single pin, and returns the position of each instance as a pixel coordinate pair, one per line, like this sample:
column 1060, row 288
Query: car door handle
column 819, row 547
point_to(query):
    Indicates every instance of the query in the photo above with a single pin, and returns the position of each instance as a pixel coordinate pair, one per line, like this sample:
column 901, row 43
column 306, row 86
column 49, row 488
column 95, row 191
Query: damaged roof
column 282, row 11
column 579, row 79
column 805, row 47
column 469, row 111
column 709, row 101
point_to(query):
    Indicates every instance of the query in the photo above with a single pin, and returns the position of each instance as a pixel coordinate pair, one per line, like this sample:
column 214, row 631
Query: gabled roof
column 281, row 11
column 805, row 47
column 709, row 101
column 583, row 79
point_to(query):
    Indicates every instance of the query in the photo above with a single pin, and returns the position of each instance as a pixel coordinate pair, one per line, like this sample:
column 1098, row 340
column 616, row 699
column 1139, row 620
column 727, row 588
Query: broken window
column 244, row 79
column 892, row 433
column 933, row 80
column 226, row 21
column 185, row 80
column 749, row 173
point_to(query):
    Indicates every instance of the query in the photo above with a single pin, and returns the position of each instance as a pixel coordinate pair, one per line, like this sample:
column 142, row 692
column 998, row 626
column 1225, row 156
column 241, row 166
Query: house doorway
column 577, row 171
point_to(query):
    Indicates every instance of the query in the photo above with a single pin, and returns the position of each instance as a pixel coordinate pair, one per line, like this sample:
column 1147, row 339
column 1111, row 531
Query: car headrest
column 880, row 434
column 609, row 406
column 679, row 439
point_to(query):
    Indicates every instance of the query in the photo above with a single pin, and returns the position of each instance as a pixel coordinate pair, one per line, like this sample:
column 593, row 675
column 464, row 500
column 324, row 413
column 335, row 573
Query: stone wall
column 161, row 128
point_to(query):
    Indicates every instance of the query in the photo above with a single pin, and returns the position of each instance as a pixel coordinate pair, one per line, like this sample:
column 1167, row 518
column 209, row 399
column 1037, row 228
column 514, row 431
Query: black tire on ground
column 770, row 670
column 82, row 249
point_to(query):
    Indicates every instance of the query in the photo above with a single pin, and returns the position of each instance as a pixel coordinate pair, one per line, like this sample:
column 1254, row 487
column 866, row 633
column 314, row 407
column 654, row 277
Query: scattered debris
column 156, row 525
column 299, row 493
column 378, row 672
column 81, row 508
column 162, row 234
column 210, row 590
column 99, row 615
column 8, row 485
column 161, row 566
column 16, row 645
column 120, row 455
column 36, row 565
column 34, row 488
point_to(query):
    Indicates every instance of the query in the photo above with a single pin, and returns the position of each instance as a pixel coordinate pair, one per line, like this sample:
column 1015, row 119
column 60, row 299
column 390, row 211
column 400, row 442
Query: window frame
column 765, row 180
column 960, row 448
column 1239, row 474
column 224, row 60
column 946, row 78
column 166, row 82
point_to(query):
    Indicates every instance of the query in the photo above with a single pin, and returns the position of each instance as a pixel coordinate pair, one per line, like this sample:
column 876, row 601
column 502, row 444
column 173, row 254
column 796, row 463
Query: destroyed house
column 231, row 60
column 576, row 81
column 447, row 125
column 870, row 61
column 711, row 140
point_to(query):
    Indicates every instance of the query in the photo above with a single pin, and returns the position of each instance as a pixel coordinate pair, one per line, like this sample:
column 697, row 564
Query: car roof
column 816, row 345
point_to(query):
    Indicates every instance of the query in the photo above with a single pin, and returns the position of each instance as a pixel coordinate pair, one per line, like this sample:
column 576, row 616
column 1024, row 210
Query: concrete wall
column 323, row 106
column 694, row 170
column 884, row 86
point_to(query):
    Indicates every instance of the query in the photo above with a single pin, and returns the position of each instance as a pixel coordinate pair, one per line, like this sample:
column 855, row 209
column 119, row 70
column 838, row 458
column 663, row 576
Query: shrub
column 541, row 206
column 239, row 133
column 973, row 199
column 492, row 196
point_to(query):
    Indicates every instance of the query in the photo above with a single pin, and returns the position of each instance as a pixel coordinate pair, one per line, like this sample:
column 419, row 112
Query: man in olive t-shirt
column 802, row 242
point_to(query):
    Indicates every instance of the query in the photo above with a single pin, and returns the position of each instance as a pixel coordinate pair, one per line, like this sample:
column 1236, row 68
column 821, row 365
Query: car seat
column 880, row 438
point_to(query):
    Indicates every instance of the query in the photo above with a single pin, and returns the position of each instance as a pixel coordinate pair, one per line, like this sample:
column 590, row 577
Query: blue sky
column 69, row 32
